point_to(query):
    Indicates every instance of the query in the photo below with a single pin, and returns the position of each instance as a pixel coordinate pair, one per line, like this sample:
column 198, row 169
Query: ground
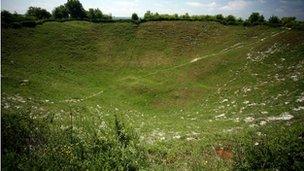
column 188, row 89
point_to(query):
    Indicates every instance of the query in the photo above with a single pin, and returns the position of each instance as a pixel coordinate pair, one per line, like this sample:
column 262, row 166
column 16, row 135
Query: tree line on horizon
column 254, row 19
column 73, row 10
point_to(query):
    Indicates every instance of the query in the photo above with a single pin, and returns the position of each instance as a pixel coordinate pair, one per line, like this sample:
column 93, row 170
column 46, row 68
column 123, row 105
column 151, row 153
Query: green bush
column 288, row 21
column 16, row 20
column 38, row 13
column 134, row 18
column 255, row 19
column 219, row 18
column 28, row 23
column 274, row 21
column 60, row 12
column 16, row 25
column 21, row 136
column 275, row 147
column 95, row 15
column 28, row 144
column 230, row 20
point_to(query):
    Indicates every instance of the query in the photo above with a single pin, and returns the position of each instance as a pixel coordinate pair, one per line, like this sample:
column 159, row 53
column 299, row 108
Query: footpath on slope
column 224, row 51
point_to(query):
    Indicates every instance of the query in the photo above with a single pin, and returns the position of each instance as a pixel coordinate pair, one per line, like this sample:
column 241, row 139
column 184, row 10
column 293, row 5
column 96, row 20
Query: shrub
column 60, row 12
column 148, row 16
column 135, row 18
column 28, row 24
column 289, row 21
column 16, row 25
column 38, row 13
column 16, row 20
column 6, row 18
column 219, row 18
column 239, row 21
column 95, row 15
column 186, row 16
column 278, row 147
column 21, row 136
column 255, row 19
column 28, row 144
column 230, row 20
column 274, row 21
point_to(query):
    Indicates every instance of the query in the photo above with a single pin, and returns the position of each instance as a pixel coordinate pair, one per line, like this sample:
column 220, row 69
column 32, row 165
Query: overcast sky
column 124, row 8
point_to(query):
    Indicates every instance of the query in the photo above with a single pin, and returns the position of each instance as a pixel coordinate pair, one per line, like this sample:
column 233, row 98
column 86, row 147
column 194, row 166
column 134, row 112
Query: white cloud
column 236, row 5
column 262, row 1
column 284, row 1
column 199, row 5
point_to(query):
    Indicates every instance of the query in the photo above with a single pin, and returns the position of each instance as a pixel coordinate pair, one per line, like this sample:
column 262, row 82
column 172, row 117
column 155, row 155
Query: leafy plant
column 275, row 147
column 21, row 136
column 38, row 13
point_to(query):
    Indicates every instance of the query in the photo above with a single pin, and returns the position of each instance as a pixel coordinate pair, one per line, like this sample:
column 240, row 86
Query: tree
column 107, row 17
column 219, row 18
column 148, row 15
column 6, row 17
column 175, row 16
column 38, row 13
column 274, row 21
column 75, row 9
column 186, row 16
column 255, row 19
column 135, row 18
column 156, row 16
column 261, row 19
column 95, row 14
column 230, row 20
column 239, row 21
column 91, row 13
column 16, row 20
column 288, row 21
column 98, row 14
column 60, row 12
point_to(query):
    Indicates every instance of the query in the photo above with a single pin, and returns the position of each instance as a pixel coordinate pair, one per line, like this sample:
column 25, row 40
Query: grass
column 83, row 74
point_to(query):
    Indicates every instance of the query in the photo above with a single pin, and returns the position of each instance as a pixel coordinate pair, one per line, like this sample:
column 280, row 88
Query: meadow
column 160, row 95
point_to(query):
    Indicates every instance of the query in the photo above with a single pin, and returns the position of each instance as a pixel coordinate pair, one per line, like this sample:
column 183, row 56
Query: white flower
column 264, row 112
column 263, row 123
column 284, row 116
column 221, row 115
column 176, row 137
column 225, row 100
column 246, row 102
column 249, row 119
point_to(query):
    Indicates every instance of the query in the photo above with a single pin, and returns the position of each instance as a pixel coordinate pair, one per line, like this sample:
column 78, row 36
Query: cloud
column 284, row 1
column 199, row 5
column 236, row 5
column 279, row 10
column 262, row 1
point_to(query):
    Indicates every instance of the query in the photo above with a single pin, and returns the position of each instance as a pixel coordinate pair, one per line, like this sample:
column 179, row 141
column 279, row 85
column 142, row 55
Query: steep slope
column 175, row 83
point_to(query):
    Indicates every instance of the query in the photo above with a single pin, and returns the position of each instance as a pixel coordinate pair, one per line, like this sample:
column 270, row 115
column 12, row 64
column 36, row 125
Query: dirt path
column 224, row 51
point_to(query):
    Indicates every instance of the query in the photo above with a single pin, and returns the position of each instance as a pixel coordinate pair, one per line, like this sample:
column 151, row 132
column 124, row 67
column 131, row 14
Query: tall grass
column 276, row 147
column 28, row 144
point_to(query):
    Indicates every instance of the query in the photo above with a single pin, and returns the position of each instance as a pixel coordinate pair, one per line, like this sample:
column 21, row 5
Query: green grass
column 180, row 111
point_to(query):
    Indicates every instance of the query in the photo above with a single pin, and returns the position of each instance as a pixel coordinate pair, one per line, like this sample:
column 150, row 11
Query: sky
column 124, row 8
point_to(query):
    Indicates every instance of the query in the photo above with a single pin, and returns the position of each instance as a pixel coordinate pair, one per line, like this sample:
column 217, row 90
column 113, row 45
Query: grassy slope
column 144, row 74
